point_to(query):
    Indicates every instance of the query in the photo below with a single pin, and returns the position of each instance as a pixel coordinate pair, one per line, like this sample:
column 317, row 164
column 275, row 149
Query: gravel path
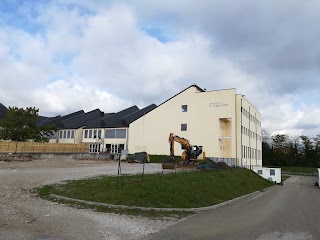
column 24, row 216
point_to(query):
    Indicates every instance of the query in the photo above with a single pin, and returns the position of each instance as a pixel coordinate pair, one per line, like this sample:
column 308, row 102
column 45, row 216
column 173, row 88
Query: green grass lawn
column 181, row 190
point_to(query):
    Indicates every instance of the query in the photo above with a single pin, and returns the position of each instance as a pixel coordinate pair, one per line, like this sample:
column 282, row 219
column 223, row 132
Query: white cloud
column 102, row 57
column 63, row 97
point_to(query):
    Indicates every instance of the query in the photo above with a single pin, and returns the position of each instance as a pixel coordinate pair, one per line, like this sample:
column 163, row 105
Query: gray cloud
column 112, row 53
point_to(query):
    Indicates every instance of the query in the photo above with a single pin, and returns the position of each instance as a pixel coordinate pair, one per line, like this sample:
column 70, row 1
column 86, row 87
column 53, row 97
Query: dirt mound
column 15, row 158
column 222, row 166
column 212, row 165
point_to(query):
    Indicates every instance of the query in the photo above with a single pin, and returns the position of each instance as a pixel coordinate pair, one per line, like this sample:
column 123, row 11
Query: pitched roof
column 56, row 121
column 116, row 120
column 194, row 85
column 82, row 119
column 46, row 120
column 152, row 108
column 3, row 111
column 134, row 116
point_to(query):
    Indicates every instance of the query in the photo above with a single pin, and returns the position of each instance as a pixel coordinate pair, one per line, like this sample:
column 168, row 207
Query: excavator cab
column 195, row 151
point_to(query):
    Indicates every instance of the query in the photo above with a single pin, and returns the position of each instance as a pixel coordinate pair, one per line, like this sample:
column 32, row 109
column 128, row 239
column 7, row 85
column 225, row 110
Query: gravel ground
column 25, row 216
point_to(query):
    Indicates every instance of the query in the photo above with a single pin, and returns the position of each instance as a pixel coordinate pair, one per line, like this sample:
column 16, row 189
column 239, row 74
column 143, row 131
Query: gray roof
column 116, row 120
column 3, row 111
column 134, row 116
column 57, row 121
column 82, row 120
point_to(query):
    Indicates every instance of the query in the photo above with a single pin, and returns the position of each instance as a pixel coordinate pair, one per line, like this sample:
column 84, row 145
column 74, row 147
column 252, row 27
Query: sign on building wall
column 218, row 104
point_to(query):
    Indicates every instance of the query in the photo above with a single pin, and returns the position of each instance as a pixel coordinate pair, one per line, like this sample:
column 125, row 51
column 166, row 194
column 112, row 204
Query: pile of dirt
column 212, row 165
column 222, row 166
column 16, row 158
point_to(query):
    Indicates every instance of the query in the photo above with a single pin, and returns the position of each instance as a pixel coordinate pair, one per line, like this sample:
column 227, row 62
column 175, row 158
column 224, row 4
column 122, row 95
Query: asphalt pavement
column 288, row 212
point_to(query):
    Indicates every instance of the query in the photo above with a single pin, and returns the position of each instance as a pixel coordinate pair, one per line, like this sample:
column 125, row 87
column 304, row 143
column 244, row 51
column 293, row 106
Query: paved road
column 288, row 212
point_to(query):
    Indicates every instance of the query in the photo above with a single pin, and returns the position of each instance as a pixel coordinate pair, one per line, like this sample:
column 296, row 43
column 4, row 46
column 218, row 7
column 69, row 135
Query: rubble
column 11, row 157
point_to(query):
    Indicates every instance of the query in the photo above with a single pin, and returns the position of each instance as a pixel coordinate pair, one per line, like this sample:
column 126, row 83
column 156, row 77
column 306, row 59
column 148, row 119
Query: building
column 225, row 123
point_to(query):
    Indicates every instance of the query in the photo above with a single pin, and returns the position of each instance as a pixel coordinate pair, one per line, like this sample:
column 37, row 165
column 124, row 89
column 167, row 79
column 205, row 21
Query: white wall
column 205, row 109
column 266, row 173
column 249, row 148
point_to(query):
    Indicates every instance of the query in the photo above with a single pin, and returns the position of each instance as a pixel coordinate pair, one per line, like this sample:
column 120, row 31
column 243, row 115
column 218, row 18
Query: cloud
column 62, row 56
column 63, row 97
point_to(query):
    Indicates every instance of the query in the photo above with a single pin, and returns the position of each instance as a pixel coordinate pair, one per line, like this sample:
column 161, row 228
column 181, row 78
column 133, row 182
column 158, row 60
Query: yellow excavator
column 190, row 153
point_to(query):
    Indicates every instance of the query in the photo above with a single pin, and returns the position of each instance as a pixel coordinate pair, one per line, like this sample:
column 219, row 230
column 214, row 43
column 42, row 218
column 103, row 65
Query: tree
column 317, row 149
column 309, row 151
column 267, row 157
column 21, row 125
column 281, row 149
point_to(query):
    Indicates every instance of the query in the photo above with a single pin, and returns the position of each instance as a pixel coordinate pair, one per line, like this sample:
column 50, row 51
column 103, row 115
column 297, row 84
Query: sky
column 66, row 55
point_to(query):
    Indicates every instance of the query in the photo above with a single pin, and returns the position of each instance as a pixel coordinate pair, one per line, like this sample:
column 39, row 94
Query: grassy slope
column 181, row 190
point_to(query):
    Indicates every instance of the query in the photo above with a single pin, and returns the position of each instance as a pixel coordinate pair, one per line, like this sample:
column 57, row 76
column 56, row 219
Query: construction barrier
column 35, row 147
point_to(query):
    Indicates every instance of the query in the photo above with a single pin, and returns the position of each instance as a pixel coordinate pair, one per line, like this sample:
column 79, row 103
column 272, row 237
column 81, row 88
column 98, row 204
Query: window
column 114, row 148
column 94, row 148
column 64, row 134
column 272, row 172
column 116, row 133
column 69, row 134
column 260, row 172
column 110, row 133
column 85, row 133
column 242, row 151
column 184, row 127
column 72, row 134
column 99, row 133
column 90, row 133
column 60, row 134
column 121, row 133
column 184, row 108
column 94, row 133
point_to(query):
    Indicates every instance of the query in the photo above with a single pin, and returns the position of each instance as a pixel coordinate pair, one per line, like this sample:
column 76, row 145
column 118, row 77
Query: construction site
column 230, row 132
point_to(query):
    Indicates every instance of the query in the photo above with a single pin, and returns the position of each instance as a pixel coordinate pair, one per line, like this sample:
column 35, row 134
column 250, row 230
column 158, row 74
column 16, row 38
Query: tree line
column 21, row 125
column 285, row 150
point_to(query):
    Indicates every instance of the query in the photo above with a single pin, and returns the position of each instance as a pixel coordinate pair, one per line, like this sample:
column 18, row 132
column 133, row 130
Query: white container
column 272, row 174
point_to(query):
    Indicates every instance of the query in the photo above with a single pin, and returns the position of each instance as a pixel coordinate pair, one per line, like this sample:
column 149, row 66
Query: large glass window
column 110, row 133
column 114, row 148
column 94, row 148
column 116, row 133
column 85, row 133
column 121, row 133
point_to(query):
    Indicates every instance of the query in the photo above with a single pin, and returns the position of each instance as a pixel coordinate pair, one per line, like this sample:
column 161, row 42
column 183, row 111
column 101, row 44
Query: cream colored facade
column 70, row 136
column 213, row 119
column 108, row 139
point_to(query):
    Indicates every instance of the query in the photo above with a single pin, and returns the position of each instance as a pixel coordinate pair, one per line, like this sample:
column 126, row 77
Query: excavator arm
column 190, row 152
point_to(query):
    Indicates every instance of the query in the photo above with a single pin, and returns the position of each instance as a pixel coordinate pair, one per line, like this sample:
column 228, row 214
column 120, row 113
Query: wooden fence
column 34, row 147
